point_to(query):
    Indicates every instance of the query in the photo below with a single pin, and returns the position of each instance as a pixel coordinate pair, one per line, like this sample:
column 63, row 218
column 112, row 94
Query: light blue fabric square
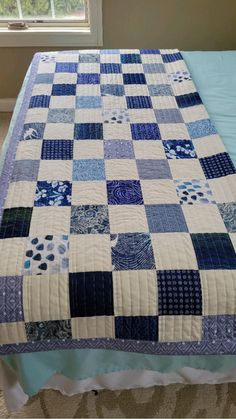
column 88, row 102
column 44, row 78
column 154, row 68
column 201, row 128
column 63, row 115
column 93, row 169
column 160, row 90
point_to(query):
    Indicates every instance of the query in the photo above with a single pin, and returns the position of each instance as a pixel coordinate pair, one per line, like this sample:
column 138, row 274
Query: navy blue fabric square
column 66, row 67
column 131, row 59
column 88, row 78
column 137, row 328
column 149, row 51
column 124, row 192
column 214, row 251
column 91, row 294
column 166, row 218
column 138, row 102
column 64, row 90
column 134, row 78
column 179, row 293
column 110, row 68
column 170, row 58
column 132, row 251
column 15, row 222
column 145, row 132
column 57, row 150
column 40, row 101
column 217, row 166
column 88, row 131
column 53, row 193
column 191, row 99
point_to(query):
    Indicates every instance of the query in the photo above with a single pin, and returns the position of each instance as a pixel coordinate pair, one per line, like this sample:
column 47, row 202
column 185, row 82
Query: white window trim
column 70, row 36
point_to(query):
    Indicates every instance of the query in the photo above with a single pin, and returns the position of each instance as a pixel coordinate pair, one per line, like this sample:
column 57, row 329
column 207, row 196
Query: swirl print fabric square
column 117, row 211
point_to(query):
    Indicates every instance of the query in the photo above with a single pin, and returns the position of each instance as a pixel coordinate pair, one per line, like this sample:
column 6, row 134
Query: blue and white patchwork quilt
column 118, row 211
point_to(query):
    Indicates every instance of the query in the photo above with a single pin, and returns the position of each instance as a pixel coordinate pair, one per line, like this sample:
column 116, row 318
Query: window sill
column 57, row 37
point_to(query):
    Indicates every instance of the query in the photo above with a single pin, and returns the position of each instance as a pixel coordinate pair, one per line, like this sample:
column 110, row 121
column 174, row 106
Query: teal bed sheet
column 214, row 74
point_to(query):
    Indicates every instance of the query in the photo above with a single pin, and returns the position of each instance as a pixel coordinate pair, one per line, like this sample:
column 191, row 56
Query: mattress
column 124, row 360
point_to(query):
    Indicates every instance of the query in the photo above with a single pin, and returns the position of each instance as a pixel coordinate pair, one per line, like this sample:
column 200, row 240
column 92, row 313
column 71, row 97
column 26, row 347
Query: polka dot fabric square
column 179, row 293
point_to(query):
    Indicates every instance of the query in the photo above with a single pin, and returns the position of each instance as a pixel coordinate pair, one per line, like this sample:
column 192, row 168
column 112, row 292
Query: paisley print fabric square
column 89, row 219
column 117, row 210
column 228, row 213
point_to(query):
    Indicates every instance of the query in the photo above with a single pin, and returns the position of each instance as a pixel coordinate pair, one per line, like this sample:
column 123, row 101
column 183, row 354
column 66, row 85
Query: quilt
column 117, row 210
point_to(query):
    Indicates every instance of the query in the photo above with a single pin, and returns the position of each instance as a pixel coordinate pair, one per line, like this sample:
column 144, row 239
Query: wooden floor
column 4, row 124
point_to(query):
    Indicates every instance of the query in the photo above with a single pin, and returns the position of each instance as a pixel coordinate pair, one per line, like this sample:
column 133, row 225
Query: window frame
column 57, row 33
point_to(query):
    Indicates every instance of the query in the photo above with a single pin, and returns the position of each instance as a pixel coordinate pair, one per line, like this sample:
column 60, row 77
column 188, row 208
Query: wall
column 183, row 24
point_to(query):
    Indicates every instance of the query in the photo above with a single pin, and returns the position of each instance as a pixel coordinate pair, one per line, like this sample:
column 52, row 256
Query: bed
column 98, row 365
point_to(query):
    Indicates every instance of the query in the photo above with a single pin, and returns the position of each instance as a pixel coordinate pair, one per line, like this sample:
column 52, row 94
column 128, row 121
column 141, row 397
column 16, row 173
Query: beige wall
column 183, row 24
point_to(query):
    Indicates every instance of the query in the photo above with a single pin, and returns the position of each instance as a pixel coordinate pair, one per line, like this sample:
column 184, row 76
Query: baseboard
column 7, row 105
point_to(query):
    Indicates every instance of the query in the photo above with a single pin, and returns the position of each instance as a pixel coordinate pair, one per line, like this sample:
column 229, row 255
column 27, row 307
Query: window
column 51, row 23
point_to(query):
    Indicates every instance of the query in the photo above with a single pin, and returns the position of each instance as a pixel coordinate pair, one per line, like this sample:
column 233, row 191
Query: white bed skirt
column 15, row 397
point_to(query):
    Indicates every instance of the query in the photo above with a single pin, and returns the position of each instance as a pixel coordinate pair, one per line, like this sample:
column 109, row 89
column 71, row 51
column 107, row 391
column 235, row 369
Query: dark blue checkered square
column 191, row 99
column 179, row 293
column 170, row 58
column 137, row 328
column 134, row 78
column 88, row 131
column 57, row 150
column 217, row 166
column 214, row 251
column 40, row 101
column 15, row 222
column 145, row 132
column 131, row 59
column 110, row 68
column 91, row 294
column 150, row 51
column 138, row 102
column 64, row 90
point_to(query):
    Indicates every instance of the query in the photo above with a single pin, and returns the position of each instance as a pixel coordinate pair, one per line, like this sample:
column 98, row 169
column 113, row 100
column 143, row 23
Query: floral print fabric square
column 55, row 193
column 179, row 149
